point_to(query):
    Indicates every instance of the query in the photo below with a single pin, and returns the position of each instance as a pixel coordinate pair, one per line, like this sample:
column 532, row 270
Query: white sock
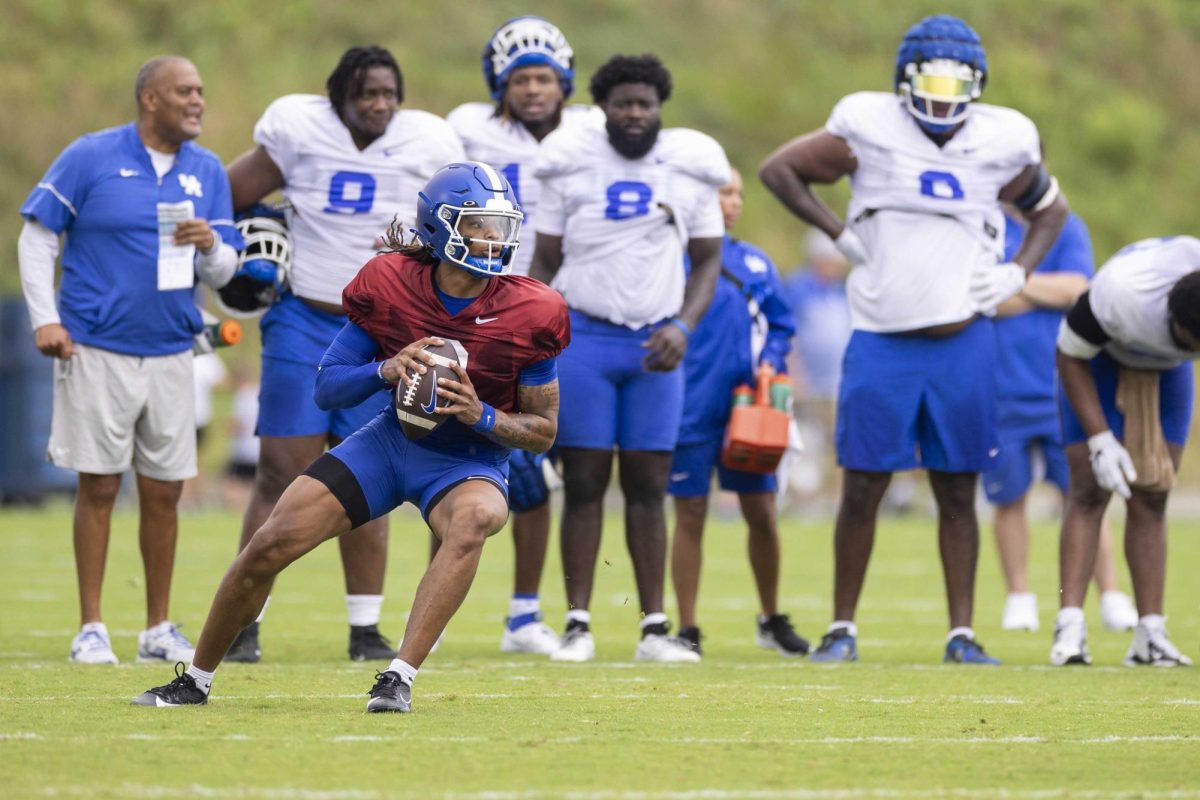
column 579, row 615
column 962, row 630
column 263, row 612
column 1153, row 621
column 1068, row 615
column 657, row 618
column 364, row 609
column 98, row 627
column 406, row 671
column 161, row 627
column 850, row 627
column 522, row 604
column 203, row 679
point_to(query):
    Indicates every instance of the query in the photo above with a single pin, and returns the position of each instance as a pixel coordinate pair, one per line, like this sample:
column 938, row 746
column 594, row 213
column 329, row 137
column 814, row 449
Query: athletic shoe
column 1070, row 644
column 182, row 691
column 837, row 645
column 1118, row 611
column 368, row 644
column 577, row 644
column 532, row 637
column 691, row 637
column 776, row 633
column 1151, row 647
column 1020, row 612
column 390, row 693
column 962, row 649
column 665, row 649
column 164, row 642
column 93, row 646
column 245, row 649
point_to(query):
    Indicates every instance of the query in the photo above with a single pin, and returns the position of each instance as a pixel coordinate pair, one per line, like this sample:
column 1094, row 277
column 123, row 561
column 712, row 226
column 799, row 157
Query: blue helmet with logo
column 525, row 42
column 470, row 206
column 940, row 68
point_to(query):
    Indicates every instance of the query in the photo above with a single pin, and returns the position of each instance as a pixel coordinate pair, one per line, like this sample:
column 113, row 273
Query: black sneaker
column 390, row 694
column 776, row 633
column 245, row 649
column 182, row 691
column 368, row 644
column 691, row 637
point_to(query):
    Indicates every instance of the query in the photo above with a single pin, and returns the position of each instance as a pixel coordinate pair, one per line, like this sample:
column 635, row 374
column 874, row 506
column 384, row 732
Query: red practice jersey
column 516, row 322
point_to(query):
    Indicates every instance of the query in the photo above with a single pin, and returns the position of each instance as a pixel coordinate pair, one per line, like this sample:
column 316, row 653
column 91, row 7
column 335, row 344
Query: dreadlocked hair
column 1183, row 303
column 646, row 68
column 347, row 78
column 393, row 242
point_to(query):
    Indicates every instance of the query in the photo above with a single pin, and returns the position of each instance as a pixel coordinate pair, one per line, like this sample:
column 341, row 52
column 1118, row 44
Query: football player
column 1124, row 353
column 621, row 202
column 928, row 167
column 347, row 165
column 505, row 396
column 748, row 323
column 529, row 69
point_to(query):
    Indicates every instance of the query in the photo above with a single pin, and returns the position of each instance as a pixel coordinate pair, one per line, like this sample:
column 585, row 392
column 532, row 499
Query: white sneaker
column 1020, row 612
column 1152, row 647
column 1118, row 612
column 577, row 646
column 1070, row 643
column 532, row 637
column 667, row 649
column 92, row 646
column 164, row 642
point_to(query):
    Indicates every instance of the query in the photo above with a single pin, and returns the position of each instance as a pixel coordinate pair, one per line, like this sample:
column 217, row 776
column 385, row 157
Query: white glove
column 1111, row 463
column 992, row 284
column 851, row 247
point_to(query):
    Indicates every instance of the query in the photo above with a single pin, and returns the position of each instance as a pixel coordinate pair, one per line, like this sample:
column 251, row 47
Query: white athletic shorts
column 113, row 411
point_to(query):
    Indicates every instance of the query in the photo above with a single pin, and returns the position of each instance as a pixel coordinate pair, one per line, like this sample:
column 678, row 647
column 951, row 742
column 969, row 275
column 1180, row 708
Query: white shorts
column 113, row 411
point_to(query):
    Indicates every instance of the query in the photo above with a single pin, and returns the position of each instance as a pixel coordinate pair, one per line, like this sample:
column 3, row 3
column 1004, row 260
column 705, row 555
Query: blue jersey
column 103, row 193
column 1025, row 354
column 749, row 322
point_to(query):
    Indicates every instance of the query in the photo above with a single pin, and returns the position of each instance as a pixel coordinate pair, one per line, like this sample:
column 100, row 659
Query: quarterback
column 432, row 291
column 928, row 167
column 347, row 165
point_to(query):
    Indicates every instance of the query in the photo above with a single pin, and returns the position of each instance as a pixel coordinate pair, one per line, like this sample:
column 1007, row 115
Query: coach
column 144, row 210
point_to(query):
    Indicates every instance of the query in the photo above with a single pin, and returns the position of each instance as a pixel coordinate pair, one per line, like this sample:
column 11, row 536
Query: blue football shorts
column 1010, row 471
column 387, row 470
column 294, row 338
column 1175, row 393
column 692, row 466
column 909, row 401
column 608, row 398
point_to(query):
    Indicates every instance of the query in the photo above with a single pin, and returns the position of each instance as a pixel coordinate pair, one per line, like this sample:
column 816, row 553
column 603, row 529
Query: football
column 415, row 402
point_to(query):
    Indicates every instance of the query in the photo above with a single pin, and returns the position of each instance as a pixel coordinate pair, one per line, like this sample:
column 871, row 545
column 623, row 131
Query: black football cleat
column 390, row 694
column 691, row 637
column 182, row 691
column 368, row 644
column 245, row 649
column 776, row 633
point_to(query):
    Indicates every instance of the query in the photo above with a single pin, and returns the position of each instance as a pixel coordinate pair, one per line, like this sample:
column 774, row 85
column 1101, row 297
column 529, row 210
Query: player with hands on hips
column 503, row 395
column 928, row 167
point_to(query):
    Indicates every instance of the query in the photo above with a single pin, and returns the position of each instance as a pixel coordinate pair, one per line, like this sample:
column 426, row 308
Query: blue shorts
column 391, row 470
column 692, row 468
column 1174, row 402
column 607, row 398
column 1009, row 473
column 913, row 401
column 294, row 338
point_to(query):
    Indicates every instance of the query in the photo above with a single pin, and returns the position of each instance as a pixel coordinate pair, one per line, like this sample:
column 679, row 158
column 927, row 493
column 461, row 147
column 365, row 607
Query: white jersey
column 625, row 222
column 927, row 215
column 1128, row 297
column 511, row 149
column 343, row 199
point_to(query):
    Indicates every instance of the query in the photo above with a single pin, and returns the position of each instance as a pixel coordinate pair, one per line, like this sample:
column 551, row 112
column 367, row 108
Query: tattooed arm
column 533, row 428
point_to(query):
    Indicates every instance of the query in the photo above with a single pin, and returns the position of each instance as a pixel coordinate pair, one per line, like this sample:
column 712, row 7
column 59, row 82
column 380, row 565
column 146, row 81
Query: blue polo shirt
column 102, row 192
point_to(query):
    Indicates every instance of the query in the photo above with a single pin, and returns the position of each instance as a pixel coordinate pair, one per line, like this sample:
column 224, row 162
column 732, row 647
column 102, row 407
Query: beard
column 633, row 147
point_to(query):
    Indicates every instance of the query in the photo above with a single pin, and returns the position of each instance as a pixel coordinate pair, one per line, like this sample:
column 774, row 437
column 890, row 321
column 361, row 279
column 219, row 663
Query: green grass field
column 744, row 723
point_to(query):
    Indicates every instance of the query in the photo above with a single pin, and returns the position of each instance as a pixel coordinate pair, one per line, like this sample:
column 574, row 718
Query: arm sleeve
column 781, row 324
column 348, row 373
column 217, row 266
column 37, row 250
column 1080, row 334
column 539, row 373
column 56, row 199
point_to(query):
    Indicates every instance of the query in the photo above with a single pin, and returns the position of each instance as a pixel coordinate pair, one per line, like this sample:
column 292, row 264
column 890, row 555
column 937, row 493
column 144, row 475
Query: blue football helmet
column 524, row 42
column 470, row 203
column 940, row 68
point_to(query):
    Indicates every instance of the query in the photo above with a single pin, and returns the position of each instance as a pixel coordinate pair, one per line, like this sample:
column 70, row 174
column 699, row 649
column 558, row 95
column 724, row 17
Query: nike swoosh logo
column 485, row 320
column 428, row 409
column 128, row 173
column 679, row 476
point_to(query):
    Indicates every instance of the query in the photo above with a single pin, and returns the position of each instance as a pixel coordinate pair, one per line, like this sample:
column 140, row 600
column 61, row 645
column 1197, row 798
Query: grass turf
column 744, row 723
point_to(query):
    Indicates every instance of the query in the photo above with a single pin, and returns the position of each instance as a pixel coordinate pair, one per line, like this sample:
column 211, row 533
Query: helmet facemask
column 481, row 240
column 938, row 92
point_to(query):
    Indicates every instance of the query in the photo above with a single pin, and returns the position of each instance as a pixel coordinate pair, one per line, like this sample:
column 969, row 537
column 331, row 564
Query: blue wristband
column 683, row 326
column 379, row 372
column 487, row 420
